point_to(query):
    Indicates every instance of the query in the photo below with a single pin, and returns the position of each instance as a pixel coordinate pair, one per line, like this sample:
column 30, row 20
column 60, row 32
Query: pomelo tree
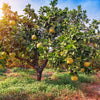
column 57, row 36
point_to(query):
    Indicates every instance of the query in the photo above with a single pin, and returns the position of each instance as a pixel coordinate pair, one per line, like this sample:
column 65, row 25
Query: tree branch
column 43, row 66
column 36, row 67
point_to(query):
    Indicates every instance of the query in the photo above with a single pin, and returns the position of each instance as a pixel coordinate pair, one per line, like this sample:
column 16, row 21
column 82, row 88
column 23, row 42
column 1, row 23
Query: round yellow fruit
column 36, row 26
column 51, row 30
column 89, row 43
column 0, row 37
column 69, row 61
column 57, row 68
column 3, row 53
column 33, row 37
column 1, row 67
column 12, row 22
column 87, row 64
column 23, row 55
column 95, row 45
column 27, row 48
column 39, row 45
column 12, row 54
column 74, row 78
column 31, row 60
column 82, row 69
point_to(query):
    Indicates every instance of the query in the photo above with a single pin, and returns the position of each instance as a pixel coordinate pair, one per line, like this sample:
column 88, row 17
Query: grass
column 21, row 84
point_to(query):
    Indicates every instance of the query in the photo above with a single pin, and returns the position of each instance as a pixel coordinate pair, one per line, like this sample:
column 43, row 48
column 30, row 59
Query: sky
column 91, row 6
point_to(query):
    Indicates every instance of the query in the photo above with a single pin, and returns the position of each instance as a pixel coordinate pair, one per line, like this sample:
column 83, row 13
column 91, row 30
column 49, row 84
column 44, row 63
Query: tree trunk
column 39, row 71
column 39, row 75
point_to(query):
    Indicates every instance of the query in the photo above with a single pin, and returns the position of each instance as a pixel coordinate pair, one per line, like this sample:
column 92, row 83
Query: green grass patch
column 25, row 85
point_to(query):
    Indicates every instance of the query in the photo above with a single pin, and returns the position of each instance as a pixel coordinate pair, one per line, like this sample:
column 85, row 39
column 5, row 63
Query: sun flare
column 0, row 13
column 0, row 10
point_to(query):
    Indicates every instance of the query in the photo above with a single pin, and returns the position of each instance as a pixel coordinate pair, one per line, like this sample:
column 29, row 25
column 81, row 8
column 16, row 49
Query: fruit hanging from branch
column 87, row 64
column 12, row 22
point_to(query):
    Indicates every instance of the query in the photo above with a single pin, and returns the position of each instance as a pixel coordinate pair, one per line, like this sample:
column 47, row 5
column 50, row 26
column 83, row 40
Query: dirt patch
column 92, row 90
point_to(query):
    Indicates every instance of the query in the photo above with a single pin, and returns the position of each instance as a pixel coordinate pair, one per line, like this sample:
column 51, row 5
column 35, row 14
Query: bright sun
column 0, row 13
column 0, row 10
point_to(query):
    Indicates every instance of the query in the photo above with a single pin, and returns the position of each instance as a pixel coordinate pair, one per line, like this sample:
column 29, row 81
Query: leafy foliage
column 55, row 35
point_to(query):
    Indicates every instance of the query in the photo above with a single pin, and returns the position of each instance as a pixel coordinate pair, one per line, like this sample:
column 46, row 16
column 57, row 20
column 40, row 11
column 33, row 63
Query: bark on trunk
column 39, row 71
column 39, row 75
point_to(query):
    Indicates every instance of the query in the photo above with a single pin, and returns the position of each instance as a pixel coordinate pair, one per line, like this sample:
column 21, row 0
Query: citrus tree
column 74, row 44
column 57, row 36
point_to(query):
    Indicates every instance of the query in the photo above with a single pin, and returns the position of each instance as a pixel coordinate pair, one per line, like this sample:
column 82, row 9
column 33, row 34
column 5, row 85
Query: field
column 21, row 84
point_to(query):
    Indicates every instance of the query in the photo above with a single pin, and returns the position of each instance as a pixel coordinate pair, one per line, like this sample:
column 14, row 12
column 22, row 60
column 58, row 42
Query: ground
column 18, row 84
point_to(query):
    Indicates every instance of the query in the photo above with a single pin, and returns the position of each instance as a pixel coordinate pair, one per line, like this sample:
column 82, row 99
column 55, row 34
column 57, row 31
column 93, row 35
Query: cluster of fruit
column 34, row 37
column 75, row 77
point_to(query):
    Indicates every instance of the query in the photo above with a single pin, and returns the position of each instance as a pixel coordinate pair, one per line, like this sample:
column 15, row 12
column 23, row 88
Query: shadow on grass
column 25, row 71
column 2, row 71
column 20, row 96
column 65, row 80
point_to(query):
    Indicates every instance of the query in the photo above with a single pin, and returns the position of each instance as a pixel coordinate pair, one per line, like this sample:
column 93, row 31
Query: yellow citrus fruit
column 57, row 68
column 12, row 22
column 69, row 61
column 64, row 66
column 51, row 30
column 88, row 43
column 74, row 78
column 87, row 64
column 95, row 45
column 31, row 60
column 27, row 48
column 0, row 37
column 1, row 67
column 33, row 37
column 82, row 69
column 23, row 55
column 39, row 45
column 3, row 53
column 12, row 54
column 36, row 26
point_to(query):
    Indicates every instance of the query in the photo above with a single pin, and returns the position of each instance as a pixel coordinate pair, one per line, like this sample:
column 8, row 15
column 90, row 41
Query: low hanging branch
column 39, row 70
column 43, row 66
column 36, row 67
